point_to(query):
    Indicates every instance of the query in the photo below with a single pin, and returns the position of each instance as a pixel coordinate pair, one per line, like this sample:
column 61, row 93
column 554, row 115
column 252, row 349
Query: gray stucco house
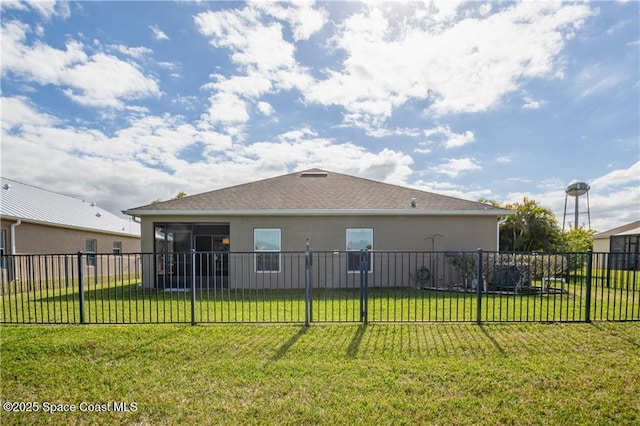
column 336, row 212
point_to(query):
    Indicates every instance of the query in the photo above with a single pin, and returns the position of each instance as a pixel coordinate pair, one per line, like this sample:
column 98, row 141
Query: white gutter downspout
column 500, row 222
column 13, row 235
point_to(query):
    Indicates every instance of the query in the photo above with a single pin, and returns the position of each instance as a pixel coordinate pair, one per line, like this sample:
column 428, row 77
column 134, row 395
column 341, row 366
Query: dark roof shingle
column 315, row 189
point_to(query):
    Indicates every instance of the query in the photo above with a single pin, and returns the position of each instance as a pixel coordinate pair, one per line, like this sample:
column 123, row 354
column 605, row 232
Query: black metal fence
column 306, row 287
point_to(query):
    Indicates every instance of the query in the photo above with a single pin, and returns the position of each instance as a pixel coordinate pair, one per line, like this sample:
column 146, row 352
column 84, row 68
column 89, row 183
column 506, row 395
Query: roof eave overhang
column 319, row 212
column 74, row 227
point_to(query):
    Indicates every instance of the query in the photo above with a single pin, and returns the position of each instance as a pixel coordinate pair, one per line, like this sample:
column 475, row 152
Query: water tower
column 576, row 190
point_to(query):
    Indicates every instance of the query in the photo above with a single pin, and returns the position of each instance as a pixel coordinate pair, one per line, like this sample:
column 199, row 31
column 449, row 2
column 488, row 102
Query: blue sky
column 123, row 103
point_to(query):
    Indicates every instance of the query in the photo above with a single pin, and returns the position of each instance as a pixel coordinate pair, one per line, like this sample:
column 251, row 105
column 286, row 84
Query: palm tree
column 532, row 228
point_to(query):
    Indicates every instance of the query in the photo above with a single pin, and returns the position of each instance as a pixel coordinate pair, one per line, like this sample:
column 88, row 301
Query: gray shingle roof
column 316, row 191
column 36, row 205
column 632, row 228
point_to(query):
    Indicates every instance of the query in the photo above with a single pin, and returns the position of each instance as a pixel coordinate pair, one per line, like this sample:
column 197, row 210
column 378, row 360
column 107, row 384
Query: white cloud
column 448, row 138
column 422, row 150
column 551, row 184
column 158, row 34
column 398, row 131
column 596, row 79
column 227, row 108
column 46, row 9
column 138, row 159
column 602, row 85
column 298, row 135
column 530, row 103
column 12, row 4
column 454, row 167
column 619, row 25
column 105, row 80
column 467, row 65
column 18, row 112
column 252, row 85
column 457, row 59
column 39, row 62
column 619, row 177
column 146, row 159
column 613, row 209
column 98, row 80
column 450, row 189
column 253, row 43
column 265, row 60
column 301, row 16
column 303, row 149
column 134, row 52
column 518, row 180
column 265, row 108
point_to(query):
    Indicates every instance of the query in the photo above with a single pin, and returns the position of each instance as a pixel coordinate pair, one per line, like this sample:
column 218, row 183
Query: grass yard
column 446, row 373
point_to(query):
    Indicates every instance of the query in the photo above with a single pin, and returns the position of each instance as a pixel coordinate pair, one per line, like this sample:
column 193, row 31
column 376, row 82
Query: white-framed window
column 117, row 247
column 267, row 245
column 90, row 249
column 358, row 239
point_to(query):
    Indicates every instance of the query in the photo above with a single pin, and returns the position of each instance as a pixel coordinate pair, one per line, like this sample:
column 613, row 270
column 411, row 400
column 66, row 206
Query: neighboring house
column 38, row 221
column 623, row 243
column 336, row 212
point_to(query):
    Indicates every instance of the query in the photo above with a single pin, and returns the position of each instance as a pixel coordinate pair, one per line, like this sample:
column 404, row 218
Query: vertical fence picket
column 193, row 287
column 479, row 285
column 308, row 285
column 81, row 288
column 587, row 311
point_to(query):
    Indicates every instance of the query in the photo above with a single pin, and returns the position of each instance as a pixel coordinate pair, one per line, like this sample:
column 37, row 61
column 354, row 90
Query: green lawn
column 442, row 373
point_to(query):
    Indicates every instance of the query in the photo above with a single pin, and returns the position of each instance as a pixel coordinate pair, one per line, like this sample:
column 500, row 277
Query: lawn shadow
column 282, row 351
column 491, row 338
column 356, row 341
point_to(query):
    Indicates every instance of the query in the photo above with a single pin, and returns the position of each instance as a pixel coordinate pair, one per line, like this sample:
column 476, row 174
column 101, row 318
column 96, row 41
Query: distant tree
column 532, row 228
column 577, row 240
column 179, row 195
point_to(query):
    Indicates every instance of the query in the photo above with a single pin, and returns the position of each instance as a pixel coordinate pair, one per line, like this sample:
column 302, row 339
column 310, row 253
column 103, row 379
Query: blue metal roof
column 36, row 205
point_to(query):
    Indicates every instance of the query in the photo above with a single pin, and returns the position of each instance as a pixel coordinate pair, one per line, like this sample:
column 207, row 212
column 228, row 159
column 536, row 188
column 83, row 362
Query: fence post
column 587, row 309
column 479, row 285
column 308, row 285
column 193, row 286
column 367, row 257
column 364, row 284
column 81, row 287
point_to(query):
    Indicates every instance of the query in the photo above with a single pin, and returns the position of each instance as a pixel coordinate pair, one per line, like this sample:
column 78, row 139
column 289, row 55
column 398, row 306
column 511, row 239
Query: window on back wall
column 267, row 245
column 117, row 247
column 359, row 239
column 91, row 246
